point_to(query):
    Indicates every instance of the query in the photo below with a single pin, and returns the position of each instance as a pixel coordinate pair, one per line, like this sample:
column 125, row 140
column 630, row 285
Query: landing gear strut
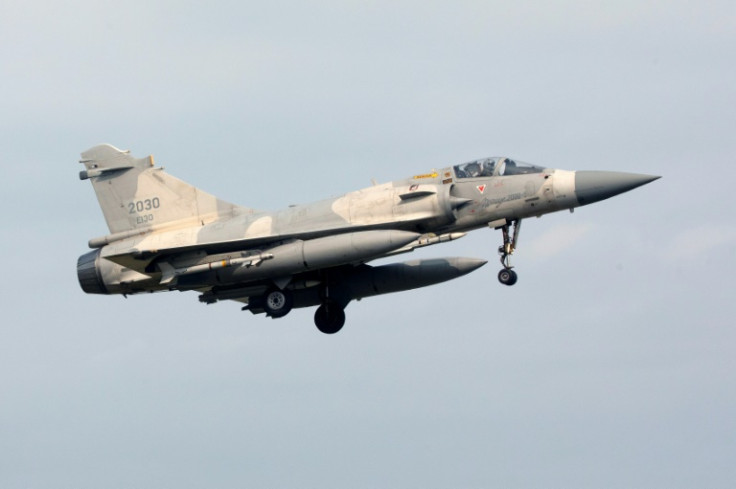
column 330, row 316
column 507, row 276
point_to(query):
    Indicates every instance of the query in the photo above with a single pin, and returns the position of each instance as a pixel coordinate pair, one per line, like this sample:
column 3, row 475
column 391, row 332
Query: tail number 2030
column 143, row 205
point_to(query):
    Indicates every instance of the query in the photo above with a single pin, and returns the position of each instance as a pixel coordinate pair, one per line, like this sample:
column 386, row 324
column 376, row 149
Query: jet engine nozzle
column 88, row 273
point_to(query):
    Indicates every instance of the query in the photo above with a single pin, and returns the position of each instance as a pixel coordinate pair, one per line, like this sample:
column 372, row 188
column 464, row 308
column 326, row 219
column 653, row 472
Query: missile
column 169, row 273
column 427, row 240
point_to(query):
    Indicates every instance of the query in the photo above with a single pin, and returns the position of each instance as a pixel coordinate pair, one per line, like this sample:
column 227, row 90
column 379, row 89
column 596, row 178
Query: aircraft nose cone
column 594, row 186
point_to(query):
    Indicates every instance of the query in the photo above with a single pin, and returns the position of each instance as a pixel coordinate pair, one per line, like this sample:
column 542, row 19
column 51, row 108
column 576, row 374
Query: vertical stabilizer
column 135, row 195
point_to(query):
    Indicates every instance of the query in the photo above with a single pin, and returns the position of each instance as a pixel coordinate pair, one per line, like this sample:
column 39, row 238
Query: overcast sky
column 612, row 362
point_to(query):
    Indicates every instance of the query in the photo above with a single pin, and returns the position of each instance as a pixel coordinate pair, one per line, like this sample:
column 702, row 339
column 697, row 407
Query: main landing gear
column 507, row 276
column 277, row 303
column 329, row 318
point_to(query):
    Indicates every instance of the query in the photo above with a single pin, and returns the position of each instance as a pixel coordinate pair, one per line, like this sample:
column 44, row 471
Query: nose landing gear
column 507, row 276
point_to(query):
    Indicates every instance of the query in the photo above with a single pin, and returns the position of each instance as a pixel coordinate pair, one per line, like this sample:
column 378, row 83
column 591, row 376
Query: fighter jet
column 168, row 235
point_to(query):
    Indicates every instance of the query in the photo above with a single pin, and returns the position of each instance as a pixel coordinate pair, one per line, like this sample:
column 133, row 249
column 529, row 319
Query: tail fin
column 134, row 195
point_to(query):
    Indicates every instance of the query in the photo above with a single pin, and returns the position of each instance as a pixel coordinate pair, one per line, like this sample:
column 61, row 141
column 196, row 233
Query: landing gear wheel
column 329, row 318
column 277, row 303
column 510, row 237
column 507, row 276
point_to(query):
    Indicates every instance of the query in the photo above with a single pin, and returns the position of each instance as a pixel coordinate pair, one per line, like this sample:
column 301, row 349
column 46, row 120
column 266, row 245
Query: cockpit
column 494, row 167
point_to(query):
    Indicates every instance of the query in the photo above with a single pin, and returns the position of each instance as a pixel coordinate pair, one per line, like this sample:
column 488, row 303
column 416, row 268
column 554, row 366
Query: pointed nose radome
column 594, row 186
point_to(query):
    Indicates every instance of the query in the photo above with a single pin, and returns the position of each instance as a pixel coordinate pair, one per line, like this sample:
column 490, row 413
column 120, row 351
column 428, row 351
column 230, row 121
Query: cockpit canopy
column 493, row 167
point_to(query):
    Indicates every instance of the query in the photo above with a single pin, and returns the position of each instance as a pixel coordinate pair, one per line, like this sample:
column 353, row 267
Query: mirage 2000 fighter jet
column 168, row 235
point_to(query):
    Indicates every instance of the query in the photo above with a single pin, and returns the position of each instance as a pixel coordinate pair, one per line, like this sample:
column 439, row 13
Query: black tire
column 507, row 276
column 329, row 318
column 277, row 303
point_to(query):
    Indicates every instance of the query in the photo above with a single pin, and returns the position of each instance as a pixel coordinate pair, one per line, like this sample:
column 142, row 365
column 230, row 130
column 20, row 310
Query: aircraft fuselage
column 168, row 235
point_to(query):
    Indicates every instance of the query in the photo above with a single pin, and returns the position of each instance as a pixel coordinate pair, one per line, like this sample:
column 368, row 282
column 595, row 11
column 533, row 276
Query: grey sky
column 610, row 364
